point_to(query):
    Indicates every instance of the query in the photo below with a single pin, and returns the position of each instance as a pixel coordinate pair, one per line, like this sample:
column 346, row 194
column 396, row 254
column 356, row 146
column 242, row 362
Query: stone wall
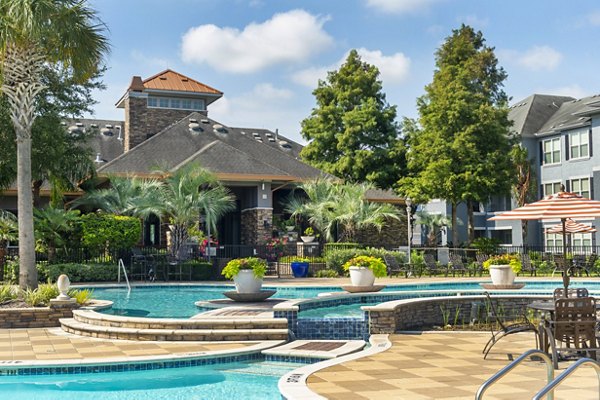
column 39, row 317
column 253, row 227
column 142, row 122
column 392, row 235
column 416, row 314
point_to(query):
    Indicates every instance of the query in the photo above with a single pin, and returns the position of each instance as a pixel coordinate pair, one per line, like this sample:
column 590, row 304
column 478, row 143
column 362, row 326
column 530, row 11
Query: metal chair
column 431, row 265
column 457, row 265
column 523, row 326
column 559, row 293
column 574, row 324
column 480, row 258
column 394, row 267
column 143, row 266
column 527, row 265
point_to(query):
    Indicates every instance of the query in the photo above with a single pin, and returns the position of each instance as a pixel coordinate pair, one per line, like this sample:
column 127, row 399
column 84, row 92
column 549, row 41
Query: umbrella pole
column 565, row 271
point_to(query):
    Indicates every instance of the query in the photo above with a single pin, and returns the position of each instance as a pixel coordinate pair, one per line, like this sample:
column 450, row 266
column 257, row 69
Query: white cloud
column 594, row 18
column 265, row 106
column 537, row 58
column 400, row 6
column 474, row 21
column 288, row 37
column 145, row 60
column 393, row 68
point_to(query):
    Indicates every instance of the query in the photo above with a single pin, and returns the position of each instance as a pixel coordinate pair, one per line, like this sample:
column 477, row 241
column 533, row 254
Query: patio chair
column 143, row 266
column 525, row 325
column 581, row 264
column 527, row 265
column 559, row 263
column 479, row 260
column 431, row 265
column 574, row 325
column 559, row 293
column 394, row 267
column 457, row 265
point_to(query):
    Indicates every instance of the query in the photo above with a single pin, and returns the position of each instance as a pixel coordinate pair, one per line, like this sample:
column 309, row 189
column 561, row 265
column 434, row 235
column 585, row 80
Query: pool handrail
column 504, row 371
column 551, row 386
column 120, row 267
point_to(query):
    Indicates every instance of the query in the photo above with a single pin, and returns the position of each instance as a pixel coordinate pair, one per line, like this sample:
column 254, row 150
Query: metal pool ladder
column 523, row 357
column 551, row 386
column 119, row 268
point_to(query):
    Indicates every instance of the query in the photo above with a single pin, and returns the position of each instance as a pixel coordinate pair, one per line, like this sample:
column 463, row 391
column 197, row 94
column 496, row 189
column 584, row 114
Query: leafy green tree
column 352, row 132
column 8, row 232
column 33, row 34
column 332, row 208
column 524, row 186
column 433, row 223
column 459, row 149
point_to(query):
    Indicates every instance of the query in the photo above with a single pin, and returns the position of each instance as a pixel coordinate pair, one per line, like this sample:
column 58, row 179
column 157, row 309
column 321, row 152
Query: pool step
column 93, row 324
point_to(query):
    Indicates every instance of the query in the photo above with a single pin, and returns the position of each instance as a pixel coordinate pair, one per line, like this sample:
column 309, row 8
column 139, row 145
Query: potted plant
column 299, row 266
column 503, row 268
column 364, row 270
column 247, row 273
column 309, row 235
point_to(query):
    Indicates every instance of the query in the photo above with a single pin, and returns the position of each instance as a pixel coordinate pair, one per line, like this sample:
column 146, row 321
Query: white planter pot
column 502, row 274
column 307, row 239
column 361, row 276
column 245, row 282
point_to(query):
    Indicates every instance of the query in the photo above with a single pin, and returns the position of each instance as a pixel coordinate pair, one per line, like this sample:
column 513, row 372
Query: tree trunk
column 27, row 269
column 471, row 221
column 454, row 225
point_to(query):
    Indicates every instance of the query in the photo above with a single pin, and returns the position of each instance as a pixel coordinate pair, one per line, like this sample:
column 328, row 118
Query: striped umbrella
column 571, row 227
column 562, row 205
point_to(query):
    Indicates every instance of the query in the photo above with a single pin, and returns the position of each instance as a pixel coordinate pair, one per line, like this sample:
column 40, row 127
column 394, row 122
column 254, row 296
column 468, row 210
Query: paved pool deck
column 448, row 366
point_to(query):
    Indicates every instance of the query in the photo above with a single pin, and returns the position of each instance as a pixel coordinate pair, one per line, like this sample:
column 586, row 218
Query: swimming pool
column 178, row 301
column 242, row 380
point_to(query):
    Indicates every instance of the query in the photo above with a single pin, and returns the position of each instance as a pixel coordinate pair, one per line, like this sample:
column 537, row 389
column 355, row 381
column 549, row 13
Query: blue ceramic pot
column 299, row 269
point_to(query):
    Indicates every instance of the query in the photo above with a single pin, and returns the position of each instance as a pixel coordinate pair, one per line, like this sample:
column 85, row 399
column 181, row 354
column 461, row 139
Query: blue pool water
column 179, row 301
column 248, row 381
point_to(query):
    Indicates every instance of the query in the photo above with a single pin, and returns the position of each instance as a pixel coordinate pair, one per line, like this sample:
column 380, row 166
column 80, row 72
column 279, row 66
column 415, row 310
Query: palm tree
column 33, row 33
column 52, row 226
column 187, row 193
column 8, row 232
column 331, row 206
column 433, row 223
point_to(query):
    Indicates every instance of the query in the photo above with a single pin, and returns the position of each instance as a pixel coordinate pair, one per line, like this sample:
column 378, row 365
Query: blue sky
column 267, row 56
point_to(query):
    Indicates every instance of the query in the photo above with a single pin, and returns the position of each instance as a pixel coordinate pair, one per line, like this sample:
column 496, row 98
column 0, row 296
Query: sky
column 267, row 56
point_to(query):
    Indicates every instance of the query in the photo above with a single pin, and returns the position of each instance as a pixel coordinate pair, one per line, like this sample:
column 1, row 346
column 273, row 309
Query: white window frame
column 581, row 240
column 554, row 240
column 176, row 103
column 554, row 148
column 584, row 193
column 553, row 186
column 579, row 140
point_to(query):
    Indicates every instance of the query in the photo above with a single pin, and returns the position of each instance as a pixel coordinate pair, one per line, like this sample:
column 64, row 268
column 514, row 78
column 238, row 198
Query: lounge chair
column 457, row 265
column 480, row 258
column 394, row 267
column 527, row 265
column 431, row 265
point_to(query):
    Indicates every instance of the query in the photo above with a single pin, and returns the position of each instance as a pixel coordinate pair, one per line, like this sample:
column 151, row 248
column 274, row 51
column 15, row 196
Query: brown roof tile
column 171, row 80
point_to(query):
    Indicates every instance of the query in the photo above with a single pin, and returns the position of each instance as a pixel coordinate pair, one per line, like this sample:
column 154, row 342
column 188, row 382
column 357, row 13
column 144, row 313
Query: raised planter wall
column 38, row 317
column 423, row 313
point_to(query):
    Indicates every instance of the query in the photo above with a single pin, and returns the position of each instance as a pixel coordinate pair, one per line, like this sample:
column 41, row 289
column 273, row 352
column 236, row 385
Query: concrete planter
column 307, row 239
column 502, row 274
column 361, row 276
column 246, row 282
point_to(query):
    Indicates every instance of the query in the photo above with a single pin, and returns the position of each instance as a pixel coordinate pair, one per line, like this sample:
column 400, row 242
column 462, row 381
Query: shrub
column 83, row 272
column 336, row 259
column 82, row 296
column 201, row 270
column 7, row 293
column 309, row 231
column 504, row 259
column 102, row 230
column 373, row 263
column 486, row 245
column 233, row 267
column 40, row 296
column 327, row 273
column 339, row 246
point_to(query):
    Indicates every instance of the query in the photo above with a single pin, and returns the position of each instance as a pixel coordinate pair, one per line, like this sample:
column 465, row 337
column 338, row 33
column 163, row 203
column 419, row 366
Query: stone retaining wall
column 38, row 317
column 423, row 313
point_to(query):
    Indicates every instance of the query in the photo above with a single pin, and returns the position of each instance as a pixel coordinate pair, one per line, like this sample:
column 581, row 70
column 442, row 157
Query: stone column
column 254, row 228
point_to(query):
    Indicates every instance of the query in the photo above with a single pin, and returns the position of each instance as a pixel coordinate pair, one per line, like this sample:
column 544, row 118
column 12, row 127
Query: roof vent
column 79, row 124
column 255, row 134
column 184, row 79
column 98, row 159
column 75, row 130
column 205, row 121
column 63, row 123
column 93, row 125
column 268, row 134
column 259, row 140
column 163, row 78
column 271, row 139
column 108, row 126
column 218, row 128
column 285, row 145
column 107, row 132
column 243, row 132
column 193, row 120
column 195, row 127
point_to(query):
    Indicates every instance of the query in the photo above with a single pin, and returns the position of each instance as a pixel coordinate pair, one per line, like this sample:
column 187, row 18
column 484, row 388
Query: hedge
column 337, row 258
column 81, row 272
column 102, row 230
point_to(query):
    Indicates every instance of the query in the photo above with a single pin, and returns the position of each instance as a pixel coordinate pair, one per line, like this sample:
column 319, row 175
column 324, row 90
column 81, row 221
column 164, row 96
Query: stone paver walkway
column 53, row 344
column 445, row 365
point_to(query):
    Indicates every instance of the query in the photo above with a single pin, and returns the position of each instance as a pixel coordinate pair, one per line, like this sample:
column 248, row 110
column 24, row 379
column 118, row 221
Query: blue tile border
column 127, row 367
column 294, row 359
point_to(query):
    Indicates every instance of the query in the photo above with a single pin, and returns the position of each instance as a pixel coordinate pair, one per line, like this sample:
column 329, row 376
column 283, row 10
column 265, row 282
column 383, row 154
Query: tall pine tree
column 352, row 132
column 460, row 148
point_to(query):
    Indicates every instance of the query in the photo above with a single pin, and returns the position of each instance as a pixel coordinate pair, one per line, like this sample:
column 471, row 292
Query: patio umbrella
column 562, row 205
column 571, row 227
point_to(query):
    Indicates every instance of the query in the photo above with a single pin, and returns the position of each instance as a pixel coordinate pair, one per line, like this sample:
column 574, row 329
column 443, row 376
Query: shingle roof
column 571, row 114
column 531, row 113
column 228, row 152
column 174, row 81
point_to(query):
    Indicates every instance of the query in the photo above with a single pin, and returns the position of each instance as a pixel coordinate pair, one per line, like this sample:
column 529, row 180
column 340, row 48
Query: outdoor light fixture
column 408, row 225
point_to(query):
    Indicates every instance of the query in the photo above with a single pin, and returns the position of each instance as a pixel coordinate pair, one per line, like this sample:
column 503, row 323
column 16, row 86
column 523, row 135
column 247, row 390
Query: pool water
column 248, row 381
column 341, row 311
column 179, row 301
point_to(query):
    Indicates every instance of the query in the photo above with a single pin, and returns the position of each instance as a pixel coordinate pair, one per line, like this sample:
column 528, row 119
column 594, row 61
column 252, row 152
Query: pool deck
column 45, row 346
column 445, row 365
